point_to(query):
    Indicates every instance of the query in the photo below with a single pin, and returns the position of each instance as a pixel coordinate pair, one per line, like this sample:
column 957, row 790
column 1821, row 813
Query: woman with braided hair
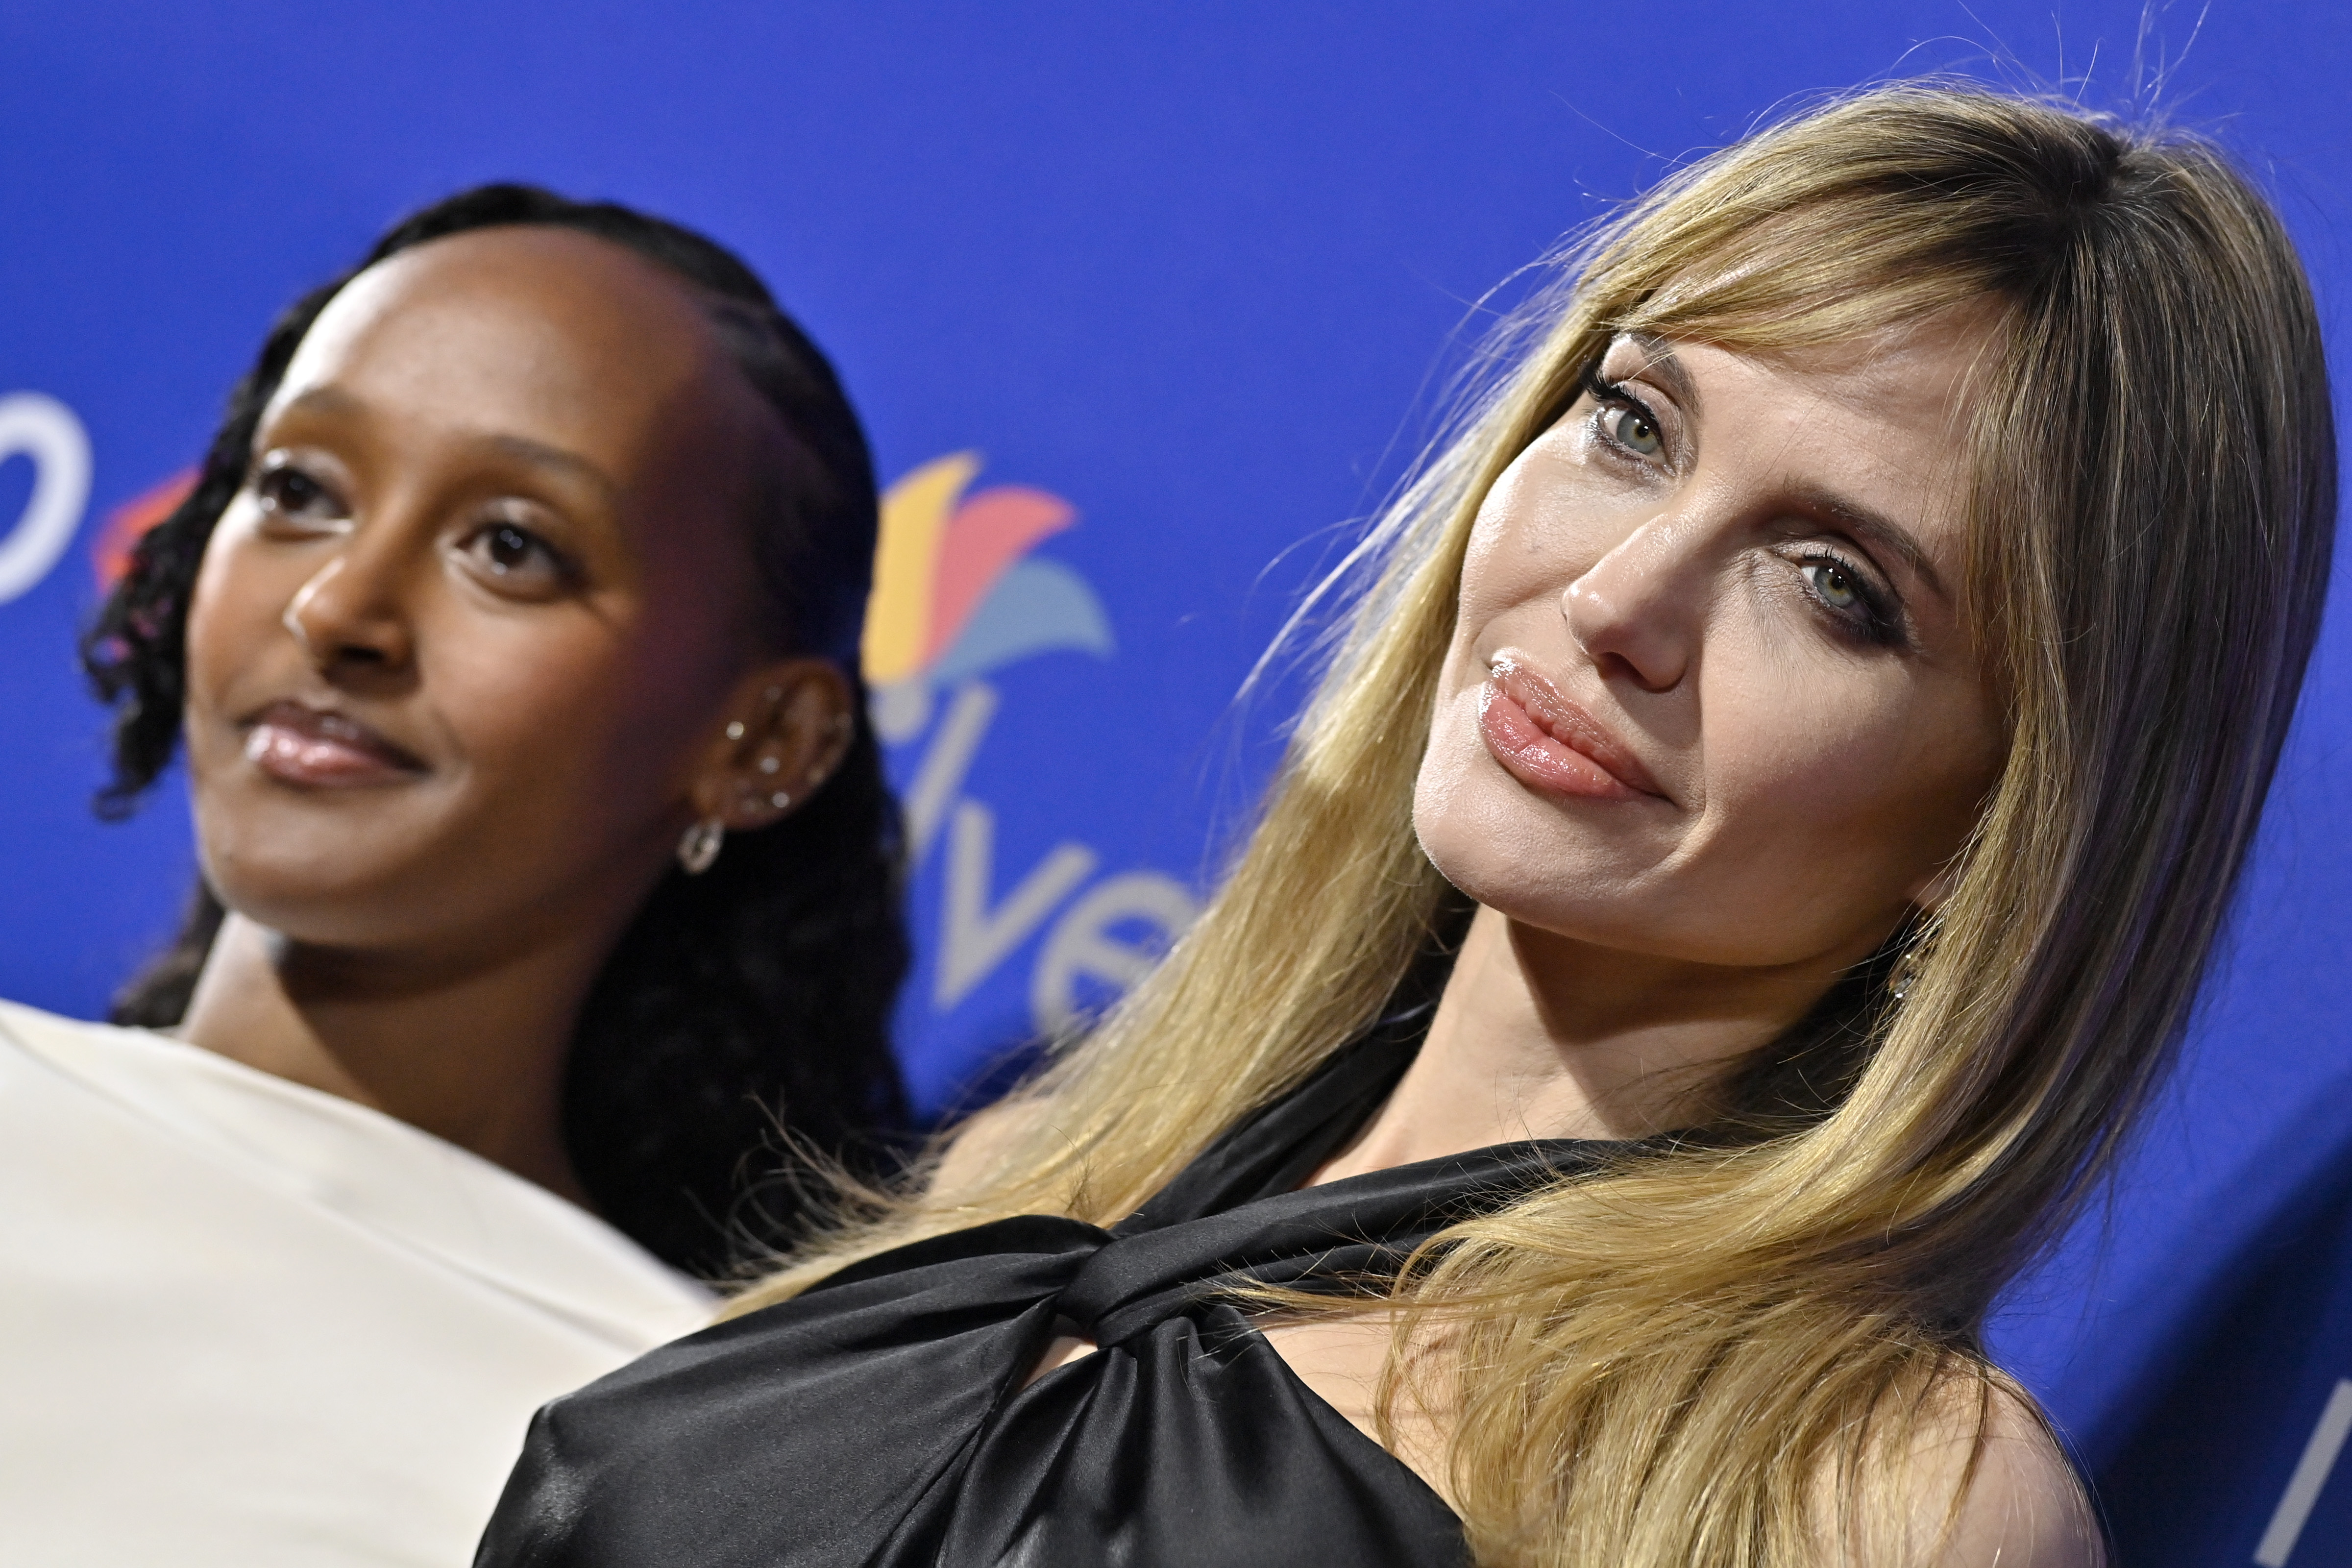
column 550, row 888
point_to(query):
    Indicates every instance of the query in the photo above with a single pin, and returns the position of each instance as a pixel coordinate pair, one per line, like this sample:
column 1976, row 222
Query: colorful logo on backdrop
column 110, row 553
column 956, row 594
column 959, row 597
column 49, row 437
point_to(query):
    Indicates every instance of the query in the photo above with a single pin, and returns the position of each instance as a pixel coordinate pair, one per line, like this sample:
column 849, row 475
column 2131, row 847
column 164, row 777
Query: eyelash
column 269, row 484
column 561, row 566
column 1879, row 625
column 1612, row 395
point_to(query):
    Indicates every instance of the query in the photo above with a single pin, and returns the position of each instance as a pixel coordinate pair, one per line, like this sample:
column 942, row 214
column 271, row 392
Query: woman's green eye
column 1634, row 432
column 1837, row 590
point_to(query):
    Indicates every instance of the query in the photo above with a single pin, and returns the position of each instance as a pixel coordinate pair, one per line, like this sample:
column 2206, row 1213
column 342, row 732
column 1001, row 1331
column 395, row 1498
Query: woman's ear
column 788, row 725
column 1929, row 896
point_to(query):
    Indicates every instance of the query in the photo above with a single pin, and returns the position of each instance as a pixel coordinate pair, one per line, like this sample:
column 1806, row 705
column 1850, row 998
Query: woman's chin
column 333, row 894
column 1504, row 845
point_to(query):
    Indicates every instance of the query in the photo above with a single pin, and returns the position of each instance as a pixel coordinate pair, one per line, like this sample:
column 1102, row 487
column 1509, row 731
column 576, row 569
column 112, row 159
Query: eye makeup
column 1849, row 597
column 1844, row 587
column 1608, row 394
column 290, row 492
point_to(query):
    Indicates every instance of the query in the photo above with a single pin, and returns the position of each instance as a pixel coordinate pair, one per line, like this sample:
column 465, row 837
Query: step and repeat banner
column 1144, row 307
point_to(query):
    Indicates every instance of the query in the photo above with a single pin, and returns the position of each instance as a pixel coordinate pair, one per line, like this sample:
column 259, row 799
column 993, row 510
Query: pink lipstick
column 320, row 749
column 1550, row 744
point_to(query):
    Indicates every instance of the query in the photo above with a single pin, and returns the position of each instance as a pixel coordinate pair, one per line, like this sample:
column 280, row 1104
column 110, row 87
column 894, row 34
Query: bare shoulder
column 977, row 1148
column 2022, row 1505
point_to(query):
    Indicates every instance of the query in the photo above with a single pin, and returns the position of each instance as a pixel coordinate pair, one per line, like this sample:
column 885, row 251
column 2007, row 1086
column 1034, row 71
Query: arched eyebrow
column 1659, row 361
column 1872, row 527
column 327, row 400
column 539, row 454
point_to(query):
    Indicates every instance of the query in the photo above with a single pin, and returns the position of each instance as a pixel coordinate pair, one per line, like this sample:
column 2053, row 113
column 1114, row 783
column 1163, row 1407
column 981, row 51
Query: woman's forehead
column 561, row 333
column 1939, row 352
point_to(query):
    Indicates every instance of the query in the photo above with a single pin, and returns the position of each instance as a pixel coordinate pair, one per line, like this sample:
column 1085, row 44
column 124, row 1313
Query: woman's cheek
column 1453, row 812
column 217, row 604
column 591, row 721
column 1814, row 768
column 239, row 653
column 1838, row 807
column 521, row 697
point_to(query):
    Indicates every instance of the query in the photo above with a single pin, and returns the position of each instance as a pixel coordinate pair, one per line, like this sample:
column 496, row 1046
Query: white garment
column 243, row 1322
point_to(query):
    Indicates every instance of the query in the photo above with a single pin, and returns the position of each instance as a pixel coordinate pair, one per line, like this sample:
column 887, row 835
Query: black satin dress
column 880, row 1420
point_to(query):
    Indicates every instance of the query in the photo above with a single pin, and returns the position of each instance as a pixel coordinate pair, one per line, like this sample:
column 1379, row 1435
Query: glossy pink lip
column 321, row 749
column 1549, row 742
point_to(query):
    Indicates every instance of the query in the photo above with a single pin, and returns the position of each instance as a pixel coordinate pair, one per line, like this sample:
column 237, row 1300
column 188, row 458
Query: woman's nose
column 348, row 617
column 1635, row 612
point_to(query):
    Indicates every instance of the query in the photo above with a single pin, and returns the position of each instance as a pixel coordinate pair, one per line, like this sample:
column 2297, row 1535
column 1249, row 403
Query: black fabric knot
column 890, row 1417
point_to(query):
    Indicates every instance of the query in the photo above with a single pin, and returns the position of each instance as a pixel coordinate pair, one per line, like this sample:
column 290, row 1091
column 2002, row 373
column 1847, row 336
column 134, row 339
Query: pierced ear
column 789, row 724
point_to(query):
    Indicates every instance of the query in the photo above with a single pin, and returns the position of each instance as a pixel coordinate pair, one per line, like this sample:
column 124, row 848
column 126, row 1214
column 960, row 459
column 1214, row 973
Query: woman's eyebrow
column 1659, row 361
column 333, row 401
column 330, row 401
column 539, row 454
column 1873, row 527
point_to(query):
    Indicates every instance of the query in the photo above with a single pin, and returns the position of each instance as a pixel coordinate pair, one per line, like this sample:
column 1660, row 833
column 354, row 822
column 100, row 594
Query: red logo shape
column 127, row 524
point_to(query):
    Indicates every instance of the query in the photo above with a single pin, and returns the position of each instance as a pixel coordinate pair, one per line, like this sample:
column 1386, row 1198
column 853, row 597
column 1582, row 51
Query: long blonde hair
column 1665, row 1365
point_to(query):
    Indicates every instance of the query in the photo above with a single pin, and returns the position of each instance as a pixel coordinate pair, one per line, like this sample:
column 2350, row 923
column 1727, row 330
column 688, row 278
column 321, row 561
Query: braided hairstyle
column 741, row 1008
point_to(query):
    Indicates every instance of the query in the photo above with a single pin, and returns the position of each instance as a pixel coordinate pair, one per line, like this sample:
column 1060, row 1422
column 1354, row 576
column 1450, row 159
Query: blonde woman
column 1740, row 873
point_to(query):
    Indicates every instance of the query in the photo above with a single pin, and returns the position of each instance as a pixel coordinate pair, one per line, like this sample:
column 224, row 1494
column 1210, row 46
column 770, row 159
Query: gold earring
column 698, row 847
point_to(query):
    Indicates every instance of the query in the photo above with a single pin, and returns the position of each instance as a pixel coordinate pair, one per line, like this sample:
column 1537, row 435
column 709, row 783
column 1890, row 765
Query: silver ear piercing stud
column 735, row 730
column 698, row 847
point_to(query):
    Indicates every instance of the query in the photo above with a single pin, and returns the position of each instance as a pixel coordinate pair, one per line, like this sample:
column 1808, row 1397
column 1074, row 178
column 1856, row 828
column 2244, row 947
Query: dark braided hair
column 752, row 1000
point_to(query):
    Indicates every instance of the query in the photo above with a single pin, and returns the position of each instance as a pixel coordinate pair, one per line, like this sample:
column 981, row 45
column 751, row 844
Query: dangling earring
column 699, row 846
column 1906, row 971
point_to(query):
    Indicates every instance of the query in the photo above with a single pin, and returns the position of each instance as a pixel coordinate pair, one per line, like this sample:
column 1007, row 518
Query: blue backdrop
column 1140, row 303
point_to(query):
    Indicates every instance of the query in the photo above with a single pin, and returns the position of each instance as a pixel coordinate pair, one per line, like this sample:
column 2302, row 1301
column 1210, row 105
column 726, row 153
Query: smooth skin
column 499, row 517
column 1742, row 571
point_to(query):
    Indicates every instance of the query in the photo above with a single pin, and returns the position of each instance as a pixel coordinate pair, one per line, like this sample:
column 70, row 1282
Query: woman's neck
column 1539, row 1037
column 472, row 1053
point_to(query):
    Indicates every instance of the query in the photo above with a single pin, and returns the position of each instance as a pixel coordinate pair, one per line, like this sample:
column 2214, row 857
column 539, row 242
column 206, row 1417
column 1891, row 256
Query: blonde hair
column 1666, row 1365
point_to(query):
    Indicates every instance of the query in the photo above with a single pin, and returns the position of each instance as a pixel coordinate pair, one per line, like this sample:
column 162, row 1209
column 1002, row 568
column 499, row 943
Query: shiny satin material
column 879, row 1420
